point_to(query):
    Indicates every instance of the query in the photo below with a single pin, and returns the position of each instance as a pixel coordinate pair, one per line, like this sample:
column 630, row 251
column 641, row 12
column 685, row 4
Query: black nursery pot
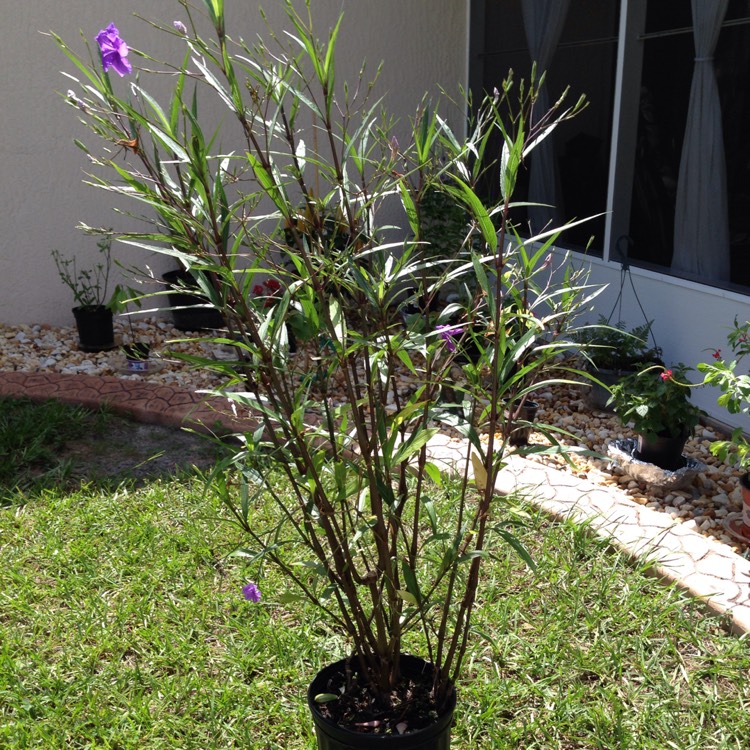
column 664, row 452
column 190, row 312
column 521, row 433
column 331, row 736
column 95, row 328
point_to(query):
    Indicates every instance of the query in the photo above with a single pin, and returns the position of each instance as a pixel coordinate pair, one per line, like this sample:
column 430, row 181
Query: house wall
column 41, row 189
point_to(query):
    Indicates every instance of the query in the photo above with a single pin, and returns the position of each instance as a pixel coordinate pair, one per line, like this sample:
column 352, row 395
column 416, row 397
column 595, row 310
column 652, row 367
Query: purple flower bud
column 447, row 333
column 73, row 99
column 114, row 50
column 180, row 26
column 251, row 592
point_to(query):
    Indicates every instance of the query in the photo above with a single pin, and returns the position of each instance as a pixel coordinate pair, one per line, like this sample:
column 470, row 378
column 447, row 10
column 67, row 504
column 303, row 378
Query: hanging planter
column 95, row 328
column 614, row 353
column 373, row 729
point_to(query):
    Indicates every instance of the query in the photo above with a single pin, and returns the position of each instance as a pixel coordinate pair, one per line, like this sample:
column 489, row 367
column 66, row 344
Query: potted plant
column 92, row 314
column 734, row 383
column 656, row 402
column 612, row 352
column 190, row 307
column 366, row 527
column 137, row 352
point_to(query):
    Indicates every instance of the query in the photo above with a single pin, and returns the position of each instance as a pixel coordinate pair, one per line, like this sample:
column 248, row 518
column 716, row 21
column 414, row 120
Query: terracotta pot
column 332, row 736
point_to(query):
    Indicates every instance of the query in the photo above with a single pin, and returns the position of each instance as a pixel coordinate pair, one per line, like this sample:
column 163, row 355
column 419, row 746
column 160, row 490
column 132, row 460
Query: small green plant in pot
column 732, row 379
column 366, row 527
column 136, row 350
column 656, row 402
column 93, row 311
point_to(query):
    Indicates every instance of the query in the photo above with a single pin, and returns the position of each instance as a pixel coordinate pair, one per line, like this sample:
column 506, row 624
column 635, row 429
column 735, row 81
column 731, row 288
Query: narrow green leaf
column 520, row 550
column 412, row 585
column 429, row 507
column 407, row 597
column 414, row 443
column 326, row 697
column 155, row 106
column 472, row 201
column 409, row 207
column 434, row 473
column 337, row 320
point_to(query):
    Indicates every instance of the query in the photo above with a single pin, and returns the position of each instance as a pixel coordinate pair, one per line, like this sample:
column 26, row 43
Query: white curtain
column 701, row 224
column 543, row 21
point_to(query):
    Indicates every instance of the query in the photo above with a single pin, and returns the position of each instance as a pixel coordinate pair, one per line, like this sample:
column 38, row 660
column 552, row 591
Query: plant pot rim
column 367, row 740
column 88, row 309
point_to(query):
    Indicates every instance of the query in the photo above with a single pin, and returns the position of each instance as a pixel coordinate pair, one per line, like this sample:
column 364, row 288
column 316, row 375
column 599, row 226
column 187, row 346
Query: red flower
column 257, row 290
column 272, row 285
column 666, row 375
column 717, row 354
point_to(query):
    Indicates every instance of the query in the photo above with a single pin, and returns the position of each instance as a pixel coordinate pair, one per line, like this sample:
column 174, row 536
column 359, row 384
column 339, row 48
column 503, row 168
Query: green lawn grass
column 31, row 435
column 122, row 625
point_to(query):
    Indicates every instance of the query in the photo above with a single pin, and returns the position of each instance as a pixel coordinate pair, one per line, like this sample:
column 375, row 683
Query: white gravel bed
column 45, row 348
column 714, row 494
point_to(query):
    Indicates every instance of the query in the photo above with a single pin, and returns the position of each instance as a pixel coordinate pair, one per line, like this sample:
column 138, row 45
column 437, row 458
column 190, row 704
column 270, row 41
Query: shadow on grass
column 51, row 446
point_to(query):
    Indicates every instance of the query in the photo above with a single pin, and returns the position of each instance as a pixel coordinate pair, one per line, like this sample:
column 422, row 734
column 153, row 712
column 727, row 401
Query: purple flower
column 448, row 334
column 180, row 26
column 251, row 592
column 114, row 50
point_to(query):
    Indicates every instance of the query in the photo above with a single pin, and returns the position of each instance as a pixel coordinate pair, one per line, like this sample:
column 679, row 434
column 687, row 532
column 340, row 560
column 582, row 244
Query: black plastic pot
column 331, row 736
column 663, row 451
column 521, row 432
column 95, row 328
column 189, row 311
column 598, row 395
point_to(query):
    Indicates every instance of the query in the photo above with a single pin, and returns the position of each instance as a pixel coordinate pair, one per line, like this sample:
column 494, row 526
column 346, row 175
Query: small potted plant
column 735, row 398
column 89, row 286
column 191, row 310
column 656, row 402
column 137, row 352
column 613, row 352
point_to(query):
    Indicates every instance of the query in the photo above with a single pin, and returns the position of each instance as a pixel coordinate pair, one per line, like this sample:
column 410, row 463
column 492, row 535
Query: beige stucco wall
column 422, row 43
